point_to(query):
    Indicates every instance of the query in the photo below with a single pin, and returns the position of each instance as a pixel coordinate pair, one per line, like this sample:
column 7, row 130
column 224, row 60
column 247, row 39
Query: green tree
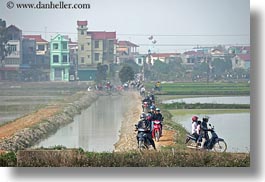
column 221, row 66
column 101, row 72
column 136, row 68
column 126, row 73
column 160, row 67
column 3, row 40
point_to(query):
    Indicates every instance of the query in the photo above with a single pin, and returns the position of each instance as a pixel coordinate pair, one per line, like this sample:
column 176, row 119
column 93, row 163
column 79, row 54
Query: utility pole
column 208, row 69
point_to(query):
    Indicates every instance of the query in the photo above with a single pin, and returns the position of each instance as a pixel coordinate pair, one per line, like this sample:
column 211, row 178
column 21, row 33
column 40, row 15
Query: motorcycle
column 214, row 143
column 156, row 132
column 143, row 143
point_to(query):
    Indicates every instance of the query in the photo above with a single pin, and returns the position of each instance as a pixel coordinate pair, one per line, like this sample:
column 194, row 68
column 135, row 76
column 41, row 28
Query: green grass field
column 196, row 88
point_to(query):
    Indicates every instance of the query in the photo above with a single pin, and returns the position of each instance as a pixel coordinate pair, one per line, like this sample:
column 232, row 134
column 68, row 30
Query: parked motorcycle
column 156, row 132
column 214, row 143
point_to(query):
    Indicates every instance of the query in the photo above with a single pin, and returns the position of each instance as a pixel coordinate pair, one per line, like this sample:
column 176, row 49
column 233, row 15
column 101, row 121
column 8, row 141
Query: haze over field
column 176, row 25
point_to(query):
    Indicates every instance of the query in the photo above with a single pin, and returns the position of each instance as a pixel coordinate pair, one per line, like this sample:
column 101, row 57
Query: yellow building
column 94, row 47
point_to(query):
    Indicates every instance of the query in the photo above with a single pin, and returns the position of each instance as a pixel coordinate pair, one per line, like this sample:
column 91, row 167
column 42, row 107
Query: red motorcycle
column 156, row 132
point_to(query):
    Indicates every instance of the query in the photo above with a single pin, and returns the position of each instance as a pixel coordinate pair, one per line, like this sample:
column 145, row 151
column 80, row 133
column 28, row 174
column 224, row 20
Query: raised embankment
column 29, row 136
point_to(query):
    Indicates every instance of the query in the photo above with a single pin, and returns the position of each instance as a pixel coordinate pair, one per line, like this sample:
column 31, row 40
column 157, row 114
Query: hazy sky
column 173, row 23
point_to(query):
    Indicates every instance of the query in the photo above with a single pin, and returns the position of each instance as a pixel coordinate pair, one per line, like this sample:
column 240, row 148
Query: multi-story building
column 42, row 62
column 126, row 51
column 59, row 58
column 94, row 47
column 73, row 50
column 9, row 69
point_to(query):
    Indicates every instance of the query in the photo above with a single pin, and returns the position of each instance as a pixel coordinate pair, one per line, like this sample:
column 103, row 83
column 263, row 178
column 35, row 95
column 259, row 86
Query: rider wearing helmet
column 204, row 130
column 158, row 116
column 194, row 121
column 144, row 123
column 194, row 126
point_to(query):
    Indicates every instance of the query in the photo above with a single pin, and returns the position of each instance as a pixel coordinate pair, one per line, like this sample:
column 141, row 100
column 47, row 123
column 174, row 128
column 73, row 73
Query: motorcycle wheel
column 220, row 146
column 141, row 145
column 157, row 136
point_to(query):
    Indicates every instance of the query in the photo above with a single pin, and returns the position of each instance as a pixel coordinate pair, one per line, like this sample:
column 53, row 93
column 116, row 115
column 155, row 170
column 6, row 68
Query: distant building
column 241, row 61
column 42, row 63
column 28, row 53
column 126, row 50
column 73, row 53
column 59, row 58
column 164, row 57
column 10, row 66
column 94, row 47
column 140, row 59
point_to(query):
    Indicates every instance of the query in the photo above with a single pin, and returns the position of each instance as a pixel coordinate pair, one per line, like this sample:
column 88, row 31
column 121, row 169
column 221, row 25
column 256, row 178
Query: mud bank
column 29, row 136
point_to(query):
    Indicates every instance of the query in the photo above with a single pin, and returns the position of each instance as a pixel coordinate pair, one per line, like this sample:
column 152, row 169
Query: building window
column 55, row 58
column 82, row 47
column 64, row 45
column 82, row 60
column 82, row 32
column 88, row 56
column 88, row 43
column 96, row 56
column 12, row 48
column 139, row 61
column 55, row 46
column 40, row 48
column 64, row 59
column 96, row 44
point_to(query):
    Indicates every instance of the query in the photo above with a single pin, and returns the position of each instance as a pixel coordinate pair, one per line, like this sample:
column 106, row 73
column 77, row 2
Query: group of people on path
column 199, row 130
column 147, row 118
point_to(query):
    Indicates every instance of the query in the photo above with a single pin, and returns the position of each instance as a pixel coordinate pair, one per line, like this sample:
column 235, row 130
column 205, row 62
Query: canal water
column 95, row 129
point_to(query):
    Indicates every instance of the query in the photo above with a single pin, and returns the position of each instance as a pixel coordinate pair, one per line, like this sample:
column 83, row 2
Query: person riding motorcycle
column 158, row 116
column 146, row 99
column 144, row 123
column 194, row 125
column 152, row 97
column 204, row 130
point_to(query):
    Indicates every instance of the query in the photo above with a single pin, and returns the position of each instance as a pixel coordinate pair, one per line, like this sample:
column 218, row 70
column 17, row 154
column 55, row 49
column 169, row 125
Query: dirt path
column 9, row 129
column 127, row 139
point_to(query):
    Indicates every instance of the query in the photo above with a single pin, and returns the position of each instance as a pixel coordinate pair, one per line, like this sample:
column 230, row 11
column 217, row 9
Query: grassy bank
column 207, row 111
column 195, row 88
column 78, row 158
column 183, row 105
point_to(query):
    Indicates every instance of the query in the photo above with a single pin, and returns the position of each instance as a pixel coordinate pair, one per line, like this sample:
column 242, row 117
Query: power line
column 193, row 44
column 157, row 35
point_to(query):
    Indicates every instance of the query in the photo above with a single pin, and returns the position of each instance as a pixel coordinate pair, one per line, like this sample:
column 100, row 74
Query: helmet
column 157, row 109
column 205, row 118
column 194, row 118
column 143, row 116
column 148, row 116
column 152, row 107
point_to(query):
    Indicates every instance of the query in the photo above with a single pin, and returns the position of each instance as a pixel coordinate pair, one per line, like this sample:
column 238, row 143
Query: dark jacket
column 204, row 130
column 157, row 116
column 144, row 124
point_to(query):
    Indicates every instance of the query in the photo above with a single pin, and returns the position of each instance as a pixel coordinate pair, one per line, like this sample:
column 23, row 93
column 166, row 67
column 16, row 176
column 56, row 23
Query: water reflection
column 96, row 129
